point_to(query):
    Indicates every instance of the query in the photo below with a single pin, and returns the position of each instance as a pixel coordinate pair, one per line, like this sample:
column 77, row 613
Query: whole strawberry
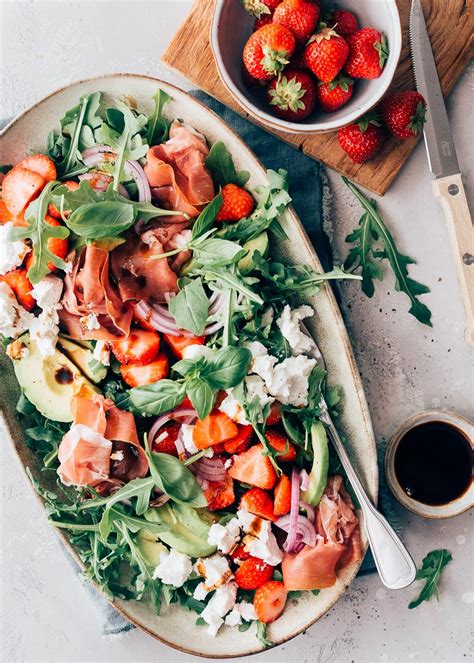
column 299, row 16
column 368, row 53
column 361, row 141
column 259, row 8
column 332, row 96
column 326, row 54
column 260, row 22
column 267, row 51
column 404, row 113
column 341, row 20
column 293, row 95
column 236, row 203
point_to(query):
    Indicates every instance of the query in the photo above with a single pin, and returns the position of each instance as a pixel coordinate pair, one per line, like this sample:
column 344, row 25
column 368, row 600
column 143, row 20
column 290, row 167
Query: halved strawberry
column 241, row 441
column 282, row 502
column 177, row 343
column 136, row 376
column 53, row 210
column 254, row 468
column 164, row 440
column 240, row 552
column 274, row 416
column 282, row 444
column 269, row 601
column 219, row 494
column 258, row 502
column 41, row 164
column 215, row 428
column 140, row 347
column 21, row 285
column 20, row 187
column 253, row 573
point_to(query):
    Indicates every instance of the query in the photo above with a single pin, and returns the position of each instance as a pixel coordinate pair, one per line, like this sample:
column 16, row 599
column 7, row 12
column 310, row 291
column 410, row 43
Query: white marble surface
column 46, row 614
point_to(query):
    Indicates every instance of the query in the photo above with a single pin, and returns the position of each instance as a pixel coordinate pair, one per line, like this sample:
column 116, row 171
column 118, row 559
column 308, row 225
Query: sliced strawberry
column 269, row 601
column 254, row 468
column 219, row 494
column 258, row 502
column 253, row 573
column 41, row 164
column 215, row 428
column 282, row 503
column 274, row 416
column 240, row 552
column 241, row 441
column 21, row 285
column 136, row 376
column 20, row 187
column 53, row 210
column 140, row 347
column 164, row 441
column 177, row 343
column 279, row 442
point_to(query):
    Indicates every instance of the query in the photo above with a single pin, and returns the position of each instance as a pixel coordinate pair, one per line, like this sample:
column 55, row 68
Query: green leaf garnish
column 431, row 569
column 158, row 127
column 219, row 162
column 190, row 307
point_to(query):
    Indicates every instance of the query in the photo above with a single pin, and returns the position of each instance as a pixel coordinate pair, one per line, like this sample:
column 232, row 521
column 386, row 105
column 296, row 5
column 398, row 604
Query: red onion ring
column 97, row 187
column 93, row 156
column 304, row 477
column 211, row 469
column 305, row 532
column 160, row 319
column 310, row 512
column 184, row 413
column 291, row 539
column 204, row 483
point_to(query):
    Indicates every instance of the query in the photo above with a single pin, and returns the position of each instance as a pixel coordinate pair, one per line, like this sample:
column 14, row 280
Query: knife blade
column 439, row 142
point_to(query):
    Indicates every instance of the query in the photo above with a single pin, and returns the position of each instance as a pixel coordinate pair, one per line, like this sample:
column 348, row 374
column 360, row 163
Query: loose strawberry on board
column 368, row 53
column 292, row 95
column 280, row 442
column 404, row 113
column 21, row 285
column 334, row 95
column 140, row 347
column 361, row 141
column 254, row 468
column 219, row 494
column 164, row 442
column 253, row 573
column 136, row 376
column 53, row 210
column 259, row 8
column 236, row 203
column 19, row 188
column 341, row 20
column 217, row 427
column 282, row 502
column 267, row 51
column 326, row 54
column 299, row 16
column 241, row 441
column 41, row 164
column 258, row 502
column 269, row 601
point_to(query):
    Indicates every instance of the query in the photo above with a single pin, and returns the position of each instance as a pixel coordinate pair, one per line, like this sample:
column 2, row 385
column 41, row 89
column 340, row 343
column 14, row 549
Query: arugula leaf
column 207, row 217
column 158, row 397
column 371, row 234
column 39, row 232
column 431, row 569
column 233, row 280
column 262, row 635
column 227, row 367
column 42, row 435
column 139, row 488
column 190, row 307
column 220, row 163
column 216, row 252
column 158, row 127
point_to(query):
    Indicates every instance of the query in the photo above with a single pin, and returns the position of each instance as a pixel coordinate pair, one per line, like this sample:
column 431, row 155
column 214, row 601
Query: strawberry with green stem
column 260, row 8
column 362, row 140
column 368, row 53
column 292, row 96
column 326, row 54
column 335, row 94
column 299, row 16
column 267, row 51
column 404, row 113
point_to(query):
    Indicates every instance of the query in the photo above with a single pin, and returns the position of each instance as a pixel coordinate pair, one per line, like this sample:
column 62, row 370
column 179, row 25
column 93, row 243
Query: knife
column 447, row 183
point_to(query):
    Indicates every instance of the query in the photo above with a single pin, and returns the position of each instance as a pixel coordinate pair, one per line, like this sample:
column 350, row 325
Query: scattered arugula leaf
column 219, row 162
column 43, row 435
column 158, row 127
column 431, row 569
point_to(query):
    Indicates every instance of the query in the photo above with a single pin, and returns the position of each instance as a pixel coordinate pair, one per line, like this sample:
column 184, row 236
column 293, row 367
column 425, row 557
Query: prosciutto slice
column 84, row 455
column 338, row 543
column 88, row 290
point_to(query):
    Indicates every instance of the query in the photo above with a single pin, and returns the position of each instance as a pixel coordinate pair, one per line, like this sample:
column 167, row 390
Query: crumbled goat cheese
column 260, row 541
column 256, row 348
column 12, row 254
column 17, row 350
column 101, row 353
column 48, row 291
column 90, row 322
column 224, row 536
column 242, row 610
column 233, row 409
column 255, row 386
column 187, row 437
column 267, row 317
column 219, row 605
column 216, row 572
column 289, row 325
column 197, row 351
column 44, row 330
column 14, row 319
column 174, row 568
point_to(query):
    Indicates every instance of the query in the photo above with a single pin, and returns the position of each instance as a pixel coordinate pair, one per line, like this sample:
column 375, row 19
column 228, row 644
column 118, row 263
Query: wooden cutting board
column 451, row 28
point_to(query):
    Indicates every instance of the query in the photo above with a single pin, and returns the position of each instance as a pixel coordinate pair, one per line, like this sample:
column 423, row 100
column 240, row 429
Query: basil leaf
column 217, row 251
column 185, row 365
column 176, row 480
column 227, row 367
column 105, row 219
column 431, row 569
column 154, row 399
column 219, row 162
column 190, row 307
column 207, row 217
column 201, row 395
column 158, row 127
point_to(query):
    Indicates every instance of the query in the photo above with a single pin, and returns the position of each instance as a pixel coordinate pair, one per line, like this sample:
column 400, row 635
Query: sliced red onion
column 179, row 444
column 304, row 532
column 204, row 483
column 211, row 469
column 310, row 512
column 161, row 319
column 304, row 478
column 102, row 187
column 94, row 156
column 291, row 539
column 184, row 413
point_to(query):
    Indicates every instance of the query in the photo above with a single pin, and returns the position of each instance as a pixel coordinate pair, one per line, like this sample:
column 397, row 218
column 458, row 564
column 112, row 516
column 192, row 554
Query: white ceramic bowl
column 231, row 27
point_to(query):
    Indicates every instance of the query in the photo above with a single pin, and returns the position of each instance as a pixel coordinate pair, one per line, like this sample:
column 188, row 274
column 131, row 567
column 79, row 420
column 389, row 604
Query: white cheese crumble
column 101, row 353
column 267, row 317
column 197, row 351
column 232, row 408
column 243, row 610
column 90, row 322
column 187, row 438
column 219, row 605
column 174, row 568
column 48, row 291
column 17, row 350
column 255, row 386
column 12, row 254
column 224, row 537
column 289, row 325
column 14, row 319
column 260, row 541
column 216, row 572
column 45, row 328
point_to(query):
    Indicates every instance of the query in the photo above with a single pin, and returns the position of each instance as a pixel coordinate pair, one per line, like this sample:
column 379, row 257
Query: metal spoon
column 394, row 564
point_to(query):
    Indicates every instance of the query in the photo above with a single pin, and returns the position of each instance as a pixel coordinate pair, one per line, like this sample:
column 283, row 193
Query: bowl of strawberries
column 303, row 66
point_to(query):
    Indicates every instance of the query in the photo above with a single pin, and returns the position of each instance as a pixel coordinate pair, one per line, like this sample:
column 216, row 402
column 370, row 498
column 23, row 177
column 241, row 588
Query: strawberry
column 326, row 54
column 279, row 442
column 217, row 427
column 136, row 376
column 21, row 285
column 282, row 503
column 361, row 141
column 139, row 348
column 240, row 553
column 269, row 601
column 254, row 468
column 19, row 188
column 177, row 343
column 292, row 95
column 236, row 203
column 258, row 502
column 299, row 16
column 268, row 50
column 41, row 164
column 164, row 441
column 260, row 8
column 274, row 416
column 367, row 54
column 404, row 113
column 241, row 441
column 219, row 494
column 53, row 210
column 253, row 573
column 260, row 22
column 332, row 96
column 341, row 20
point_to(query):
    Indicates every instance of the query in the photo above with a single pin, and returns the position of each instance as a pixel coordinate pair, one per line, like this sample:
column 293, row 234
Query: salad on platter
column 167, row 378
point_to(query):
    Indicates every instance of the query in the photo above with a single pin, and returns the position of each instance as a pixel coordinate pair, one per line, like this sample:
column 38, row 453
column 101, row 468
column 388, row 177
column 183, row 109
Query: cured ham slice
column 88, row 290
column 338, row 543
column 84, row 455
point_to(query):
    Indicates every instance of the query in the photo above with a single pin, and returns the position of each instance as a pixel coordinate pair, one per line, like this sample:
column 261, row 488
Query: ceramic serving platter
column 174, row 626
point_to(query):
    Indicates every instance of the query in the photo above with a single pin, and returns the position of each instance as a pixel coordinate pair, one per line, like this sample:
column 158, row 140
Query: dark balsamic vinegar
column 433, row 463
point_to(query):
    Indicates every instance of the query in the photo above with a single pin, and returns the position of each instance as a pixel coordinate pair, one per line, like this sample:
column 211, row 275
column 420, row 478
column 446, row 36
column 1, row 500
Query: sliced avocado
column 150, row 547
column 319, row 472
column 49, row 382
column 259, row 243
column 188, row 529
column 83, row 358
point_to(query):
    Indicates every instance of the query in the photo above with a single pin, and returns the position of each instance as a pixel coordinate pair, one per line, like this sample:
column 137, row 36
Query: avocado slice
column 319, row 472
column 189, row 528
column 49, row 382
column 150, row 548
column 83, row 358
column 258, row 243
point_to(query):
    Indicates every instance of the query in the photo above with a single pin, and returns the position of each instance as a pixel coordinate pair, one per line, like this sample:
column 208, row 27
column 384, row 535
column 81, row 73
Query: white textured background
column 46, row 614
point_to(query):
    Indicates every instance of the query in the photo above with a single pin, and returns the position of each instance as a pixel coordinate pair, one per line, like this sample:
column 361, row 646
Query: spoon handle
column 393, row 561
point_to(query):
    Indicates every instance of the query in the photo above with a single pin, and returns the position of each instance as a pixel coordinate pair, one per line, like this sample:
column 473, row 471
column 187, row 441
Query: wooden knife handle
column 452, row 196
